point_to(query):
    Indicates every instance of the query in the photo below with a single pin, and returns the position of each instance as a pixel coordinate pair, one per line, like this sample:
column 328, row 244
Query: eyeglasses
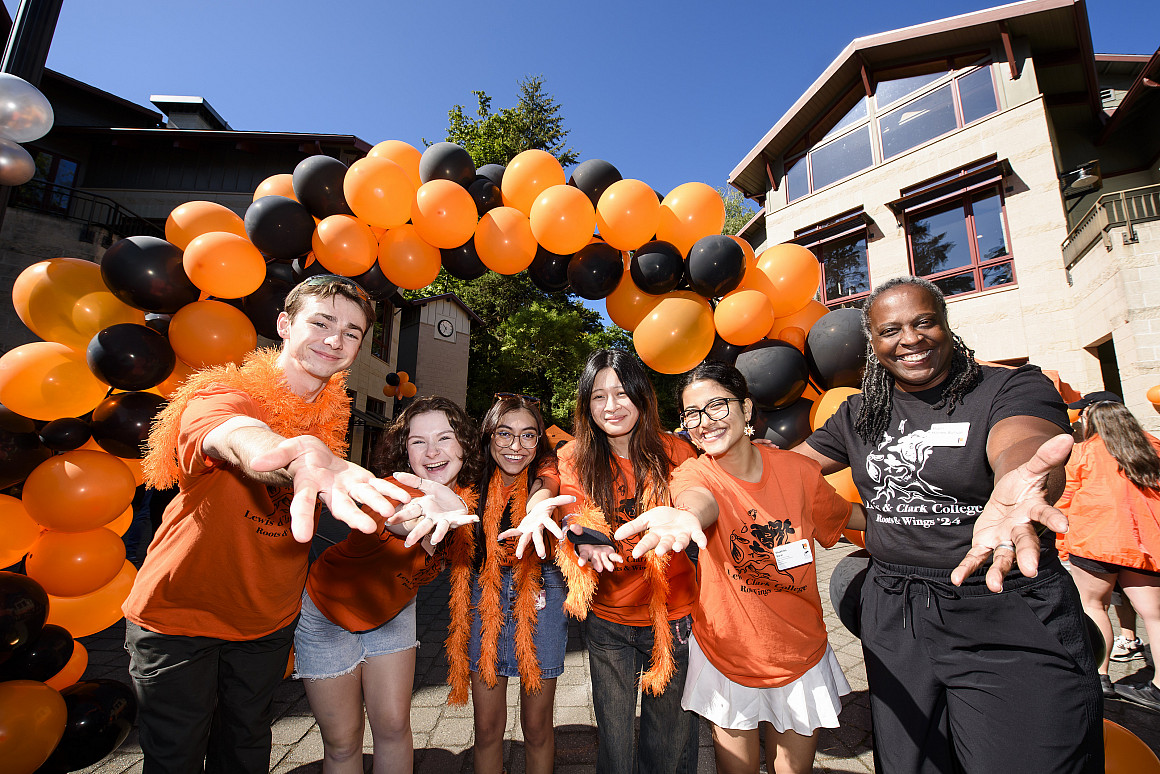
column 715, row 409
column 529, row 398
column 505, row 438
column 335, row 279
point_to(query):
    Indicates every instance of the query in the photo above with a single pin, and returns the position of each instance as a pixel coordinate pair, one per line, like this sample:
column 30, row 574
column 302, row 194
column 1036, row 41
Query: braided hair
column 878, row 383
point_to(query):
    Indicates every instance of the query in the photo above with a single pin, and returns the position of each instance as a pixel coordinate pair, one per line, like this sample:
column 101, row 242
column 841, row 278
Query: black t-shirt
column 927, row 479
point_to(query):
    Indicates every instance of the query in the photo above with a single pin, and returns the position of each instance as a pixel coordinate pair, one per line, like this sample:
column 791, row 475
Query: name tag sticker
column 948, row 434
column 793, row 554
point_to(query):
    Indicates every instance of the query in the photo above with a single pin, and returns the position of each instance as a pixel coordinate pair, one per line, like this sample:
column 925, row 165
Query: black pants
column 966, row 680
column 205, row 699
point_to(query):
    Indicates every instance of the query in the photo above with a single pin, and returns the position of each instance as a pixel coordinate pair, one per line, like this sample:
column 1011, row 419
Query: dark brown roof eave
column 1150, row 72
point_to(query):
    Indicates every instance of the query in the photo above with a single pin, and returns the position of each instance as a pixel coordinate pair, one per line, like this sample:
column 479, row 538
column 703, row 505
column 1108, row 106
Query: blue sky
column 668, row 92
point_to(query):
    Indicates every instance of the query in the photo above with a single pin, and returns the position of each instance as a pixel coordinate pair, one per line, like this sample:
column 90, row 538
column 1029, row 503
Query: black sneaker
column 1108, row 689
column 1147, row 695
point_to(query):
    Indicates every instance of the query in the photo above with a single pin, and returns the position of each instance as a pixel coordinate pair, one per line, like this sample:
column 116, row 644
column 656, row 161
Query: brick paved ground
column 443, row 734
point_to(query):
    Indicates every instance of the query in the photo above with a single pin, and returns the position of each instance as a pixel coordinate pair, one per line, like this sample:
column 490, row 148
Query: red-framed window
column 962, row 243
column 381, row 330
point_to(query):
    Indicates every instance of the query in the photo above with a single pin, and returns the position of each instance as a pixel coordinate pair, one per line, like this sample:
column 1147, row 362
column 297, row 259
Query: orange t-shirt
column 223, row 563
column 623, row 595
column 759, row 625
column 1112, row 520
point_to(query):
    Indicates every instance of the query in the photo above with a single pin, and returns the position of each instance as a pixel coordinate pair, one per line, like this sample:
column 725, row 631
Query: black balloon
column 121, row 422
column 786, row 427
column 723, row 351
column 23, row 611
column 318, row 186
column 21, row 449
column 66, row 434
column 146, row 272
column 263, row 306
column 776, row 373
column 158, row 322
column 279, row 226
column 305, row 266
column 593, row 177
column 486, row 195
column 657, row 267
column 493, row 172
column 393, row 379
column 129, row 356
column 463, row 262
column 100, row 715
column 715, row 266
column 549, row 271
column 836, row 349
column 447, row 161
column 846, row 589
column 282, row 269
column 376, row 284
column 42, row 658
column 595, row 271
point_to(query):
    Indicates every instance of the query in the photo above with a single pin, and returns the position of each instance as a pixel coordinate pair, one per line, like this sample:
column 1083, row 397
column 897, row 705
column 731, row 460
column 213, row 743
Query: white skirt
column 812, row 701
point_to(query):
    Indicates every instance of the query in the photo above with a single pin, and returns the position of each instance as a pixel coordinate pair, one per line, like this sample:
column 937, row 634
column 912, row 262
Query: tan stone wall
column 442, row 362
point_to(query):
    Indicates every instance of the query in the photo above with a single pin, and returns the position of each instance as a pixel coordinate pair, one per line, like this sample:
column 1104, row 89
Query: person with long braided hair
column 957, row 464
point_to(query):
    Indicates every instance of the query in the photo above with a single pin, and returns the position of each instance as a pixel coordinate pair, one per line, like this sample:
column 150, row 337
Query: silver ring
column 1009, row 546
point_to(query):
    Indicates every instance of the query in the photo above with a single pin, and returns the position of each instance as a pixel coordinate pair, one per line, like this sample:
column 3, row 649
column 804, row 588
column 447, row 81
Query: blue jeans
column 617, row 654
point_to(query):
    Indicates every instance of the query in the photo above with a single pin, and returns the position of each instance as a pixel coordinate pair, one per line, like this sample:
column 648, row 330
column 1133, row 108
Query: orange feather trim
column 260, row 377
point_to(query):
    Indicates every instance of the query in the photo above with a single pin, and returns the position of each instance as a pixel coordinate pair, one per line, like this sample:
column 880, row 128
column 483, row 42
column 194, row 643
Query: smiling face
column 321, row 339
column 911, row 338
column 612, row 410
column 513, row 458
column 432, row 448
column 717, row 437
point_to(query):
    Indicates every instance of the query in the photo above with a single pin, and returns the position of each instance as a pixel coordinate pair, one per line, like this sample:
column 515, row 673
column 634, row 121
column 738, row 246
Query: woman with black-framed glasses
column 507, row 604
column 756, row 512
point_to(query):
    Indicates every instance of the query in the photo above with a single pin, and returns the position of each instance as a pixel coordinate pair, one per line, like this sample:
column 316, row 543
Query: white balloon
column 25, row 113
column 16, row 166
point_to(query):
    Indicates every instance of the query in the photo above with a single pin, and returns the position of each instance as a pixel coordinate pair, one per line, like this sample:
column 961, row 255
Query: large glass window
column 977, row 94
column 51, row 185
column 845, row 273
column 890, row 91
column 918, row 121
column 797, row 178
column 381, row 331
column 842, row 157
column 962, row 245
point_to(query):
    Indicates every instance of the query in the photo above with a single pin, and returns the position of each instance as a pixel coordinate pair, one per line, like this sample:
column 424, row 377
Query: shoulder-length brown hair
column 1125, row 440
column 544, row 452
column 391, row 454
column 596, row 467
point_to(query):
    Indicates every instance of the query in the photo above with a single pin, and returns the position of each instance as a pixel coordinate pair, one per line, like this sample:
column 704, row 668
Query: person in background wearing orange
column 1112, row 500
column 756, row 511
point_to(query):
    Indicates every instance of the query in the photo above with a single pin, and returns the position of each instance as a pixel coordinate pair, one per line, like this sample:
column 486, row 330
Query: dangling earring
column 748, row 429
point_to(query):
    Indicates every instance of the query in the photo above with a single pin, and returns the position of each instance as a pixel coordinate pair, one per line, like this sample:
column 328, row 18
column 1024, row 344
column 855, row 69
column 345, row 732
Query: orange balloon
column 192, row 219
column 45, row 380
column 407, row 260
column 78, row 490
column 676, row 335
column 181, row 372
column 743, row 317
column 627, row 214
column 224, row 265
column 276, row 185
column 71, row 672
column 379, row 192
column 527, row 176
column 1153, row 395
column 121, row 524
column 830, row 401
column 795, row 274
column 795, row 336
column 628, row 304
column 689, row 212
column 207, row 333
column 403, row 154
column 94, row 612
column 18, row 531
column 843, row 483
column 404, row 377
column 811, row 392
column 803, row 319
column 504, row 239
column 389, row 390
column 562, row 219
column 32, row 721
column 444, row 214
column 1126, row 753
column 344, row 245
column 72, row 564
column 408, row 390
column 66, row 301
column 855, row 536
column 750, row 256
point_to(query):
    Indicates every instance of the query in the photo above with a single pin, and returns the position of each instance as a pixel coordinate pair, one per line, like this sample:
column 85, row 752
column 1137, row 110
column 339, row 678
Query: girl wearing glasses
column 636, row 609
column 356, row 638
column 507, row 605
column 755, row 511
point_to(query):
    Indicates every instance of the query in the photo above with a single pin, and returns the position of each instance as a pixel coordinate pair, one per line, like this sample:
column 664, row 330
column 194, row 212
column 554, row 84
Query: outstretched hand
column 434, row 514
column 665, row 529
column 1016, row 505
column 317, row 474
column 531, row 528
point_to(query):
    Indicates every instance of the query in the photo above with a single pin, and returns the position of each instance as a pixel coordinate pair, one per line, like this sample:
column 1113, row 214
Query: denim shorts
column 551, row 633
column 324, row 649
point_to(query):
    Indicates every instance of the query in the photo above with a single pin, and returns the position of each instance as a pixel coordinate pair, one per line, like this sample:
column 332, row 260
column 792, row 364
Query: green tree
column 738, row 210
